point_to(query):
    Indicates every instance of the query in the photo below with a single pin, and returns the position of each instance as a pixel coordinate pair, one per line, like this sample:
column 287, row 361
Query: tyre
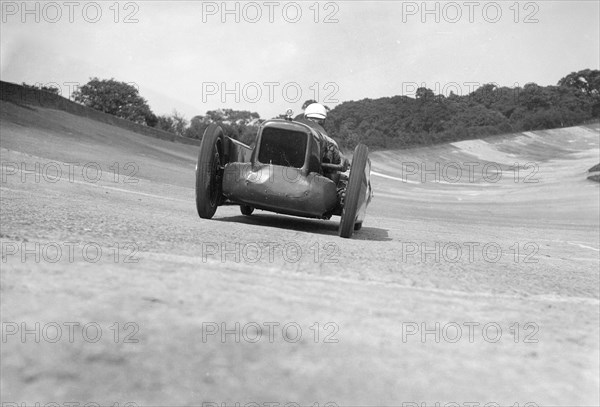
column 209, row 172
column 246, row 210
column 353, row 190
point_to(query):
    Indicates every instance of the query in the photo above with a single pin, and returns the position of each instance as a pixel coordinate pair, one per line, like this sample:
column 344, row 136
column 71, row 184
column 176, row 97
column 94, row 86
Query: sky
column 268, row 56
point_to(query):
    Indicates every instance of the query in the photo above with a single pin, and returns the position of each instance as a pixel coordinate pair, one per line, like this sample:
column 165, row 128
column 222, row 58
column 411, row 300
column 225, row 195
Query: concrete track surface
column 475, row 281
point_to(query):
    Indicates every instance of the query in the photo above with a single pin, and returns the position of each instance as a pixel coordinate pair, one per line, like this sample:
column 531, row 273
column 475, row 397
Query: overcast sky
column 183, row 56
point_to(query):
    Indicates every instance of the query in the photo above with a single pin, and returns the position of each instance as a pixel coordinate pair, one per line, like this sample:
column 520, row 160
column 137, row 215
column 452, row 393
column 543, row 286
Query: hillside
column 66, row 137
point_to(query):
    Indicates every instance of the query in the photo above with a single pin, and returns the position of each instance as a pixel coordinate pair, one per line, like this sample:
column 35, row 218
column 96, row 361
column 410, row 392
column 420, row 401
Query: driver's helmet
column 315, row 111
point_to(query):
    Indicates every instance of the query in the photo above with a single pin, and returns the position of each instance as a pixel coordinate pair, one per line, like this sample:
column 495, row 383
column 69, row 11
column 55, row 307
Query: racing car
column 283, row 173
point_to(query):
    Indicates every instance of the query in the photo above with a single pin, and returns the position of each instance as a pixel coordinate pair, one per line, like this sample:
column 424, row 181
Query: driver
column 314, row 116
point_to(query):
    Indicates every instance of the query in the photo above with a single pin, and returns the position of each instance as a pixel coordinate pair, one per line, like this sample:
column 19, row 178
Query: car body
column 284, row 173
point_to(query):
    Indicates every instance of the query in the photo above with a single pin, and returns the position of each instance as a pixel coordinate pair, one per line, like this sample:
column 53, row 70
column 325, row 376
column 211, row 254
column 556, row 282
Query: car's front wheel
column 348, row 223
column 209, row 172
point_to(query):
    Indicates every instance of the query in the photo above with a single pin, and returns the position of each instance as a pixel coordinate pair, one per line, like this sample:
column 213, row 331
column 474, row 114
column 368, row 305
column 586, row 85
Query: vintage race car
column 284, row 173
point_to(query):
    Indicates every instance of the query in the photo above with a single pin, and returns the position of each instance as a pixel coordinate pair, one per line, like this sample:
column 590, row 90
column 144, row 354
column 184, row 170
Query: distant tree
column 534, row 97
column 424, row 93
column 165, row 123
column 151, row 120
column 179, row 123
column 485, row 95
column 239, row 124
column 117, row 98
column 197, row 126
column 587, row 81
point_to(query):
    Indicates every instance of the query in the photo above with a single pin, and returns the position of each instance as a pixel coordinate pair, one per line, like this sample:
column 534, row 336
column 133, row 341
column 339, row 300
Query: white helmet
column 315, row 111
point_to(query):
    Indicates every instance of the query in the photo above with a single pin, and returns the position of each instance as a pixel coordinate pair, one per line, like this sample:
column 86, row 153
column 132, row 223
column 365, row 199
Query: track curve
column 499, row 232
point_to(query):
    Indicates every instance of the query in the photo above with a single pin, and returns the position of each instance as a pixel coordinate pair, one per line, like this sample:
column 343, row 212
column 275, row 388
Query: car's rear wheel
column 351, row 199
column 246, row 210
column 209, row 172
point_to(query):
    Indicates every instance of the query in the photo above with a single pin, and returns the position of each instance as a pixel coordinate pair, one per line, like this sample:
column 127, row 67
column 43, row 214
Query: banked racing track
column 474, row 278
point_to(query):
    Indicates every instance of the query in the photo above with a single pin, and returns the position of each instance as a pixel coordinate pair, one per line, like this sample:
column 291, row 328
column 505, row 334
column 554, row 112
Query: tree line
column 388, row 122
column 401, row 122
